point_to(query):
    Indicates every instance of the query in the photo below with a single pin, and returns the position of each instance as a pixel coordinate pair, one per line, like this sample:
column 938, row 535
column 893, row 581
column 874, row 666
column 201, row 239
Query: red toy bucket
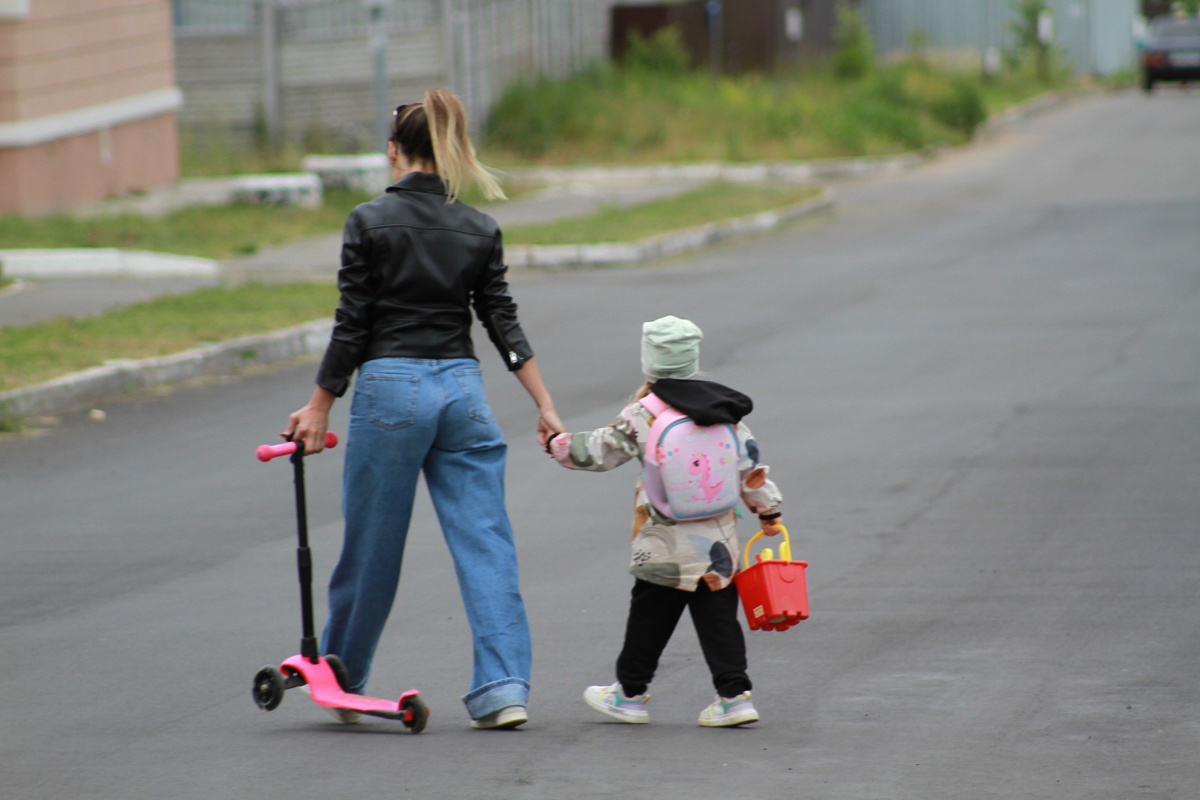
column 774, row 592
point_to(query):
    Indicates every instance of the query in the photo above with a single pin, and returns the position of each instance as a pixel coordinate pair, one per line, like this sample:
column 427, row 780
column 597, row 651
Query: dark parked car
column 1171, row 51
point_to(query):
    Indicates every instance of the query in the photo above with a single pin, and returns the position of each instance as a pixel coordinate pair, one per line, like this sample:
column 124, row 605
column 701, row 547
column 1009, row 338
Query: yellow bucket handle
column 785, row 549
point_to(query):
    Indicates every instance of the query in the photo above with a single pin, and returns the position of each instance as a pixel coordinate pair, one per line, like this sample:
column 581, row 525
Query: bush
column 855, row 54
column 961, row 108
column 662, row 52
column 535, row 117
column 635, row 115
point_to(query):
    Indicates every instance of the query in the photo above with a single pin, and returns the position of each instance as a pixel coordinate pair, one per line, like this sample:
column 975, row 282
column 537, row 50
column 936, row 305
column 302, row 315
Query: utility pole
column 716, row 37
column 269, row 25
column 379, row 59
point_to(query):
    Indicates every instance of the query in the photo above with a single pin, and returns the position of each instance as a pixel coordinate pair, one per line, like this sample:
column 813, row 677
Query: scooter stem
column 308, row 641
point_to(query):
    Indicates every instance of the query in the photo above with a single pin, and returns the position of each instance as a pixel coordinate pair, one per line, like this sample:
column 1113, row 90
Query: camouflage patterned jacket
column 667, row 552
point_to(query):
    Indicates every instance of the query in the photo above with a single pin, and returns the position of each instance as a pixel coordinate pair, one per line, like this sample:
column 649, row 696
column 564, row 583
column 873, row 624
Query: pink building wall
column 87, row 102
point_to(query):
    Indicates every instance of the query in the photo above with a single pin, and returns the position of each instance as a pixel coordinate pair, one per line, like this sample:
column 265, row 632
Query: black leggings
column 654, row 611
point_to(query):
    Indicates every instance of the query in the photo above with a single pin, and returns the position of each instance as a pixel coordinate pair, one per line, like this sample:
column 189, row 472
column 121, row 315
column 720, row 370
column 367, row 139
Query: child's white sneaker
column 727, row 712
column 611, row 700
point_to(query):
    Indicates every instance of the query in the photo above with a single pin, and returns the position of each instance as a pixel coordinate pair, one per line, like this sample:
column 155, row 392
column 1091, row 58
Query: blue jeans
column 408, row 416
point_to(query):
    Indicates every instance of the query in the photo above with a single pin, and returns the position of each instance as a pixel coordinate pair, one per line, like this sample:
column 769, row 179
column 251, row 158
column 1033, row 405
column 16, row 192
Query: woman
column 415, row 261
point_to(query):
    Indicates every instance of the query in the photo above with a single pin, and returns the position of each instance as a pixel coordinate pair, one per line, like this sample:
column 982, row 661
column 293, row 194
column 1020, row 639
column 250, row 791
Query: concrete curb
column 123, row 376
column 791, row 172
column 1031, row 107
column 106, row 261
column 662, row 246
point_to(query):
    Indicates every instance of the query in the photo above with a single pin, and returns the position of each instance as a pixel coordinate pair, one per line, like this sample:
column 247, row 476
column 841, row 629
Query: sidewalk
column 84, row 282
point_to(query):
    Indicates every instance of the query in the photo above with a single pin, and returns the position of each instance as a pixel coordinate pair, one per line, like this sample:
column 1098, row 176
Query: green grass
column 714, row 201
column 206, row 231
column 217, row 232
column 35, row 353
column 609, row 114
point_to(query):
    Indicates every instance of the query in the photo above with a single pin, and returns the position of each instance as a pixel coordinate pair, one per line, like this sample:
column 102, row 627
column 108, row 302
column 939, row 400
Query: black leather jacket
column 412, row 269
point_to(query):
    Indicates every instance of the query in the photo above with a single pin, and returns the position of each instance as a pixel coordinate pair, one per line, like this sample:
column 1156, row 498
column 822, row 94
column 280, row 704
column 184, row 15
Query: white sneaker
column 611, row 700
column 727, row 712
column 345, row 715
column 342, row 715
column 509, row 717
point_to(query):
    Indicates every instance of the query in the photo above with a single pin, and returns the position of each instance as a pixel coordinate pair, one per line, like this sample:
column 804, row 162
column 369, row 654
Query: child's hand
column 772, row 527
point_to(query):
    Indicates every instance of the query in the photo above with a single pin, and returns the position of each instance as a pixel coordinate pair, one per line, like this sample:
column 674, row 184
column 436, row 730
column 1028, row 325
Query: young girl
column 678, row 565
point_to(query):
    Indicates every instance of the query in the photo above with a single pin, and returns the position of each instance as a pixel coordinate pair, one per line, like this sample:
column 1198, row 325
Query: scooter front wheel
column 416, row 714
column 268, row 688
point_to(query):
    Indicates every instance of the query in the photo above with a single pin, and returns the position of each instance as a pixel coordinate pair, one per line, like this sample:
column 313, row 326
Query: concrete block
column 369, row 172
column 294, row 189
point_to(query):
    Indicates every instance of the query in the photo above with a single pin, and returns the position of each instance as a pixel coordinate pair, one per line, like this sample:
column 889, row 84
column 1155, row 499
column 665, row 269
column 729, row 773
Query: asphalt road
column 978, row 386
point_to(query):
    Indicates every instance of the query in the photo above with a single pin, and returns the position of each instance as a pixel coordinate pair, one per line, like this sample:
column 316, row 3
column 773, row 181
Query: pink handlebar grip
column 266, row 452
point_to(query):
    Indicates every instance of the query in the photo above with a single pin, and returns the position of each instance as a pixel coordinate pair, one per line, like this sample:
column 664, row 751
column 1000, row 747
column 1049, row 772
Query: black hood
column 706, row 402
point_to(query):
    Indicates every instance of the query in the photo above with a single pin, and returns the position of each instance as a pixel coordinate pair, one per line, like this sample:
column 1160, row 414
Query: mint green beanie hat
column 671, row 348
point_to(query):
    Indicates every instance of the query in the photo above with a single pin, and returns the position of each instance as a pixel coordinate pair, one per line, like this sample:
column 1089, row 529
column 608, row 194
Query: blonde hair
column 453, row 154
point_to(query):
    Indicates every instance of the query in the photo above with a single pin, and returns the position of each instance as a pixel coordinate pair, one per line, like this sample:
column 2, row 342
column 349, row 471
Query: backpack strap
column 654, row 404
column 664, row 414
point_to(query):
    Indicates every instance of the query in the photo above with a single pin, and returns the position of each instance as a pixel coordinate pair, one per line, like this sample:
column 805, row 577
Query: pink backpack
column 691, row 471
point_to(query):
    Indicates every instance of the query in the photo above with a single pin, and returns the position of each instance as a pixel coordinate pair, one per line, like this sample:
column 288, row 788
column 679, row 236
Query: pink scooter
column 325, row 676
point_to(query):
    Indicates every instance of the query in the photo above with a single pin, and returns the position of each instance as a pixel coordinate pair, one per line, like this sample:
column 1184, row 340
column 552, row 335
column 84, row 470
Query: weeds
column 647, row 110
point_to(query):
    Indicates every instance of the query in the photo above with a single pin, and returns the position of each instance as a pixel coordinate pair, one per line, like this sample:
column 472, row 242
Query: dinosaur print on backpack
column 691, row 471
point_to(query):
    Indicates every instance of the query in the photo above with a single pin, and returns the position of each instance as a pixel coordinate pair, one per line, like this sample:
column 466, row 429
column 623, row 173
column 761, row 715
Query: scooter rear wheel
column 268, row 688
column 416, row 714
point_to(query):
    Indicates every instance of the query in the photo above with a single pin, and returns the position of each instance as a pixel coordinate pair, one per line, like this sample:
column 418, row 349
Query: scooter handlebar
column 266, row 452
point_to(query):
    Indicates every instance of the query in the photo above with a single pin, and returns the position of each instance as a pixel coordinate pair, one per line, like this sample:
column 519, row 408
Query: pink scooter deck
column 327, row 693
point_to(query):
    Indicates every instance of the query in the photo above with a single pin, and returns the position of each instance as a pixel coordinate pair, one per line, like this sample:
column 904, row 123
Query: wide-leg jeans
column 407, row 417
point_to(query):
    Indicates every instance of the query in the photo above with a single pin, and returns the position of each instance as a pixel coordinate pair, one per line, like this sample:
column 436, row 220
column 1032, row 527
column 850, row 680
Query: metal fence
column 494, row 43
column 1095, row 36
column 293, row 66
column 234, row 16
column 301, row 16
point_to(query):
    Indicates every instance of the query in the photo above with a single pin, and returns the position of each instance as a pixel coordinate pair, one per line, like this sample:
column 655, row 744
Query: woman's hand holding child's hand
column 548, row 423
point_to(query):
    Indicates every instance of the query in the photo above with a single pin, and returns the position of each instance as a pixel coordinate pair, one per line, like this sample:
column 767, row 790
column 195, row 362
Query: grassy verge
column 633, row 115
column 222, row 231
column 715, row 201
column 217, row 232
column 40, row 352
column 206, row 231
column 167, row 325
